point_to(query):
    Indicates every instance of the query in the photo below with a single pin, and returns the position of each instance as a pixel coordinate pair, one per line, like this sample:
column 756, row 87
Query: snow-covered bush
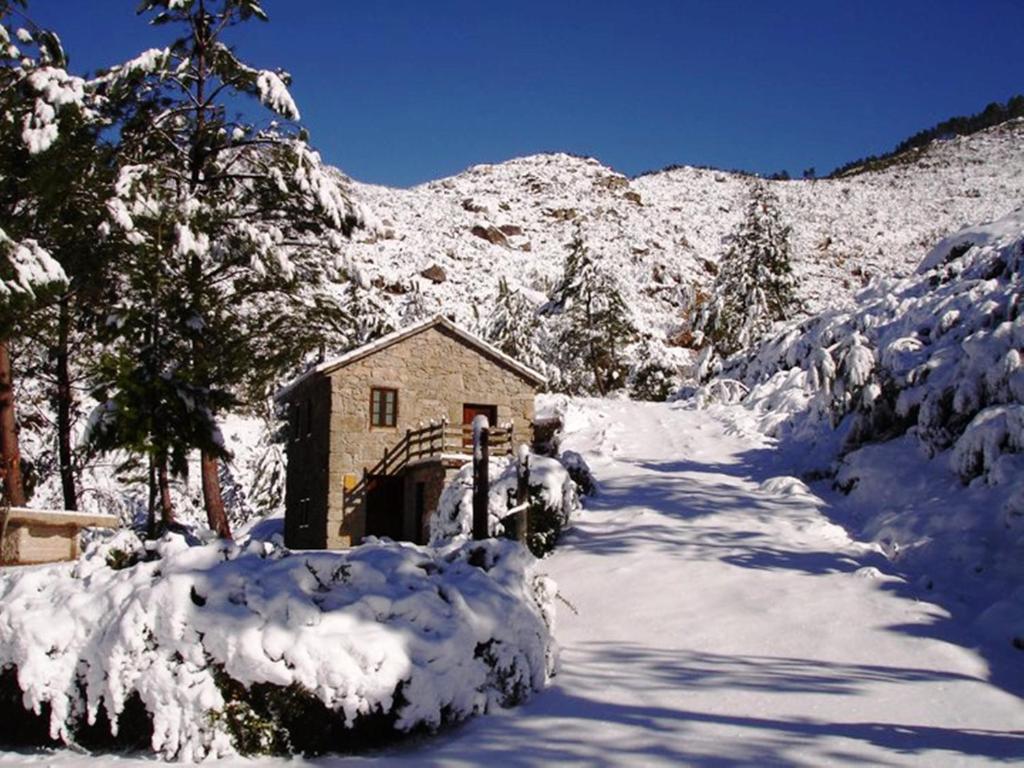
column 554, row 498
column 722, row 391
column 655, row 373
column 255, row 648
column 996, row 430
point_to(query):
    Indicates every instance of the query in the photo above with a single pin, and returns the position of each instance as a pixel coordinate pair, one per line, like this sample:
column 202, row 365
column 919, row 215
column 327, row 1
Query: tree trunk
column 151, row 509
column 64, row 395
column 212, row 500
column 10, row 455
column 166, row 510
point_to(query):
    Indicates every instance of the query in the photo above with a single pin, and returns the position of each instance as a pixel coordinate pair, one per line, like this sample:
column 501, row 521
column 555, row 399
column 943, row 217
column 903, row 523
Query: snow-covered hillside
column 662, row 233
column 444, row 247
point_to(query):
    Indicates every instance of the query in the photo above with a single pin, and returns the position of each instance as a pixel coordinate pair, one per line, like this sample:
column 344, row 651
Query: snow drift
column 420, row 636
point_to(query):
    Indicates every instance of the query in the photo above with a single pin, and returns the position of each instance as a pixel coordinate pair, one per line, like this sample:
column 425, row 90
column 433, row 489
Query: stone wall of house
column 306, row 484
column 431, row 478
column 435, row 373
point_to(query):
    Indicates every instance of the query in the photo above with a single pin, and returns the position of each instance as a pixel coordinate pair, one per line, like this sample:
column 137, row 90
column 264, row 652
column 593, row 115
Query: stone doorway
column 385, row 505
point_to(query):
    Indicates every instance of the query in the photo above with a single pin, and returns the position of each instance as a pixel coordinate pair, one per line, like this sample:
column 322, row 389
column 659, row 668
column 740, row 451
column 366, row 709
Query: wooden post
column 5, row 515
column 481, row 479
column 523, row 493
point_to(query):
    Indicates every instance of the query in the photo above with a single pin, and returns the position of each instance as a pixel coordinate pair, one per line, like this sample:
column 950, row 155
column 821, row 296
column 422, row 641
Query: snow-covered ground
column 722, row 617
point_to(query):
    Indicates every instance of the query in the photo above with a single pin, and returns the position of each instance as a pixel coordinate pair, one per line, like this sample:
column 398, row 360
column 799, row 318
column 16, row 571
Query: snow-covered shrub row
column 938, row 354
column 554, row 499
column 913, row 405
column 228, row 646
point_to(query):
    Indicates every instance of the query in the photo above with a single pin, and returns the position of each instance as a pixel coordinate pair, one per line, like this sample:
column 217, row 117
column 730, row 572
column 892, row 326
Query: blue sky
column 403, row 91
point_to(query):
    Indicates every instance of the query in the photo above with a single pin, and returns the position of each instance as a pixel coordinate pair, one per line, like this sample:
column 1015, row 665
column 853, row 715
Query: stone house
column 375, row 433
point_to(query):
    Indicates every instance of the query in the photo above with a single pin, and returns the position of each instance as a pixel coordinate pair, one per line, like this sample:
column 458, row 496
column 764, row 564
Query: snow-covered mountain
column 662, row 233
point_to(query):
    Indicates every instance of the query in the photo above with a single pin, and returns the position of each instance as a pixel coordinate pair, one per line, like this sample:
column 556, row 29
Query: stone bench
column 32, row 536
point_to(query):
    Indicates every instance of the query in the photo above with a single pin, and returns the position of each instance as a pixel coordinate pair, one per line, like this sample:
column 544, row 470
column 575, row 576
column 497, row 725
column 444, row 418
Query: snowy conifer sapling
column 513, row 327
column 224, row 229
column 597, row 326
column 754, row 287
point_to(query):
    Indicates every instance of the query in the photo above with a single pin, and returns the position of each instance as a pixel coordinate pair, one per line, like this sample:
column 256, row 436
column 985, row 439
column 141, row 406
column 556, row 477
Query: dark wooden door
column 385, row 503
column 469, row 412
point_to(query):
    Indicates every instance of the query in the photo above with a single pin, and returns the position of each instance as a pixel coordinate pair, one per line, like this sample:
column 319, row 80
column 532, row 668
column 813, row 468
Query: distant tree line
column 994, row 114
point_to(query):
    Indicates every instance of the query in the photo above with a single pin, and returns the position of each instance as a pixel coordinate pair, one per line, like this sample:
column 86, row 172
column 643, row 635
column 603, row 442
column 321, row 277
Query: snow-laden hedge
column 554, row 499
column 228, row 647
column 938, row 354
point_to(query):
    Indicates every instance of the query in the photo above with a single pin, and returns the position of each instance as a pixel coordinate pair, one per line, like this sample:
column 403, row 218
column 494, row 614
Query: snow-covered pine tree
column 513, row 326
column 366, row 315
column 39, row 104
column 653, row 376
column 754, row 286
column 225, row 229
column 596, row 324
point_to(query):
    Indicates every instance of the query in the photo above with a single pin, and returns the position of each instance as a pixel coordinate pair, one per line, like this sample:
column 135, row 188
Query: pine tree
column 597, row 326
column 754, row 287
column 42, row 109
column 513, row 326
column 366, row 318
column 223, row 229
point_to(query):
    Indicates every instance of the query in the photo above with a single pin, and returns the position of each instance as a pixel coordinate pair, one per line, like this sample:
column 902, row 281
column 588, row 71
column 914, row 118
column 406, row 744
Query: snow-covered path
column 723, row 620
column 721, row 623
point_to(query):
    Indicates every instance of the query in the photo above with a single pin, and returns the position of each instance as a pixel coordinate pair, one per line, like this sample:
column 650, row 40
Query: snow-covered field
column 721, row 616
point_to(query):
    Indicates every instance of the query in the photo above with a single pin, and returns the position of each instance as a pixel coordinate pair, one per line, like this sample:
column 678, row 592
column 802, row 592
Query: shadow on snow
column 667, row 492
column 547, row 729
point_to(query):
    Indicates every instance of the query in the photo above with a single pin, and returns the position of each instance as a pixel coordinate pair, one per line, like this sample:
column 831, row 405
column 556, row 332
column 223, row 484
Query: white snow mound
column 457, row 630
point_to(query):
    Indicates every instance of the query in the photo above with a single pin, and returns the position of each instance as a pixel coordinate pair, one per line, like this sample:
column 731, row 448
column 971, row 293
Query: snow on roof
column 329, row 366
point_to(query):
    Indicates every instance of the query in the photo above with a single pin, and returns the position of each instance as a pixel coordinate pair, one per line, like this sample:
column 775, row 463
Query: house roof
column 329, row 366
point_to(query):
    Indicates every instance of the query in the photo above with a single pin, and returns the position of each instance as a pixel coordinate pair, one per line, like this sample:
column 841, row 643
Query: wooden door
column 470, row 411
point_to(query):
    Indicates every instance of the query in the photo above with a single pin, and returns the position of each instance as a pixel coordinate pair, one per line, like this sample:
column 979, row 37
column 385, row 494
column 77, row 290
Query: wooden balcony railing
column 439, row 440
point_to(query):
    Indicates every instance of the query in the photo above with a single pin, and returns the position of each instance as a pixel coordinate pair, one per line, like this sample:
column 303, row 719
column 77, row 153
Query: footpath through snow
column 723, row 619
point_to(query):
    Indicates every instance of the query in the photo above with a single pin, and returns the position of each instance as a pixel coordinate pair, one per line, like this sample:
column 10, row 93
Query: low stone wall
column 33, row 536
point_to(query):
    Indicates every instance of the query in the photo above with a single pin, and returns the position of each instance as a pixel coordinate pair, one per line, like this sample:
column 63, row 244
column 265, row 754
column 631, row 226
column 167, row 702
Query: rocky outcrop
column 435, row 274
column 490, row 234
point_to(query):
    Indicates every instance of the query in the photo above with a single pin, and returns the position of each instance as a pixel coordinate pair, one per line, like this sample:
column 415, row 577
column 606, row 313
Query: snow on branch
column 29, row 268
